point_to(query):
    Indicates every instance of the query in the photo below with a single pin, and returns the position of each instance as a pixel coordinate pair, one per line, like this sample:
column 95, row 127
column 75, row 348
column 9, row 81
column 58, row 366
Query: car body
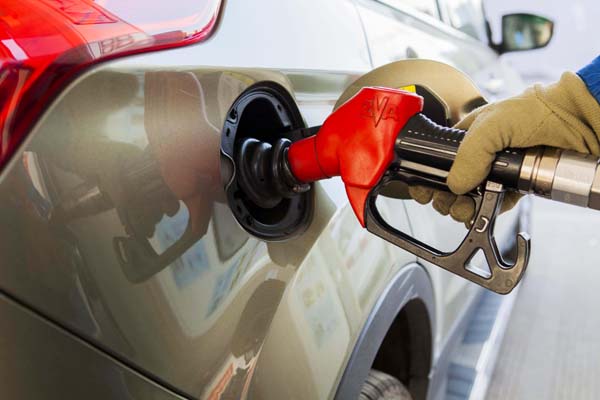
column 232, row 316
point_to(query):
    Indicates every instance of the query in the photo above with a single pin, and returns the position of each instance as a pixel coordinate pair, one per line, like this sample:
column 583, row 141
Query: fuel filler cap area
column 260, row 126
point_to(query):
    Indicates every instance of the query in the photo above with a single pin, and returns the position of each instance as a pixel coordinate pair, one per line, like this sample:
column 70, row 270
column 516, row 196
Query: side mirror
column 522, row 32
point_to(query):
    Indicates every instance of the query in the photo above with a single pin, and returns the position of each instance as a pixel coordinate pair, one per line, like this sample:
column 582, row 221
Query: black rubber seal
column 266, row 112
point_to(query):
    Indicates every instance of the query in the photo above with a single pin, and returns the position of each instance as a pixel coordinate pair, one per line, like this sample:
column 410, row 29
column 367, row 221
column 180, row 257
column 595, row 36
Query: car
column 125, row 268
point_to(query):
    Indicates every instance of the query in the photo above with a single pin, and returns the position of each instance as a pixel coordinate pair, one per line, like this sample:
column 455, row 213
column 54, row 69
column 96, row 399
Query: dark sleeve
column 590, row 74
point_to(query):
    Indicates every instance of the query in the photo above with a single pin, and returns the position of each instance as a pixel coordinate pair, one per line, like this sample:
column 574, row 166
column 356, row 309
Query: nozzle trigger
column 503, row 278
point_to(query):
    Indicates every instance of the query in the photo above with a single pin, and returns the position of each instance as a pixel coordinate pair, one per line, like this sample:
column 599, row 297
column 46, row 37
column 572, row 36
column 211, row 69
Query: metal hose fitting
column 561, row 175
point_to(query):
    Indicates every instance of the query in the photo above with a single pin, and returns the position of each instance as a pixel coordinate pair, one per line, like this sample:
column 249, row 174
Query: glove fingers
column 475, row 156
column 463, row 209
column 466, row 122
column 510, row 200
column 442, row 201
column 469, row 170
column 421, row 194
column 396, row 190
column 460, row 208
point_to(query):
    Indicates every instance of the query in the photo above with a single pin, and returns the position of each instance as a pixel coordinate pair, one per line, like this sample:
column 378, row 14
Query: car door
column 401, row 29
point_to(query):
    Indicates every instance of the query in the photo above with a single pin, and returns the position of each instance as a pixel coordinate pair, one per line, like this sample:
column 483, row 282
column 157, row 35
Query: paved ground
column 552, row 345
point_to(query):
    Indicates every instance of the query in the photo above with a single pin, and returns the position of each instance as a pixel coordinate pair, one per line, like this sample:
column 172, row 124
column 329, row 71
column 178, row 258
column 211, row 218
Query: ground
column 552, row 345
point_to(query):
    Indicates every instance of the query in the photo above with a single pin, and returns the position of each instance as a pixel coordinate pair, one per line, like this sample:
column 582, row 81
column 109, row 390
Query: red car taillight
column 45, row 44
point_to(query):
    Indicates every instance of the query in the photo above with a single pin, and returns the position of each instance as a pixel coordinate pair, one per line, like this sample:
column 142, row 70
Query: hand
column 563, row 115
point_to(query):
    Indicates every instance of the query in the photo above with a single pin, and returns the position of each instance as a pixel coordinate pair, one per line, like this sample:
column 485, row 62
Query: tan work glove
column 563, row 115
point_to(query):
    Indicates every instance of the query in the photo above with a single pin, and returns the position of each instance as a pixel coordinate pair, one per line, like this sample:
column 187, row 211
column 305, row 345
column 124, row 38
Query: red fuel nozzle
column 356, row 142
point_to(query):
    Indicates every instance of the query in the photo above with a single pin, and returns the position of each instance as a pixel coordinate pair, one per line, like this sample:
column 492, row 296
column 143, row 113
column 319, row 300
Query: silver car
column 124, row 269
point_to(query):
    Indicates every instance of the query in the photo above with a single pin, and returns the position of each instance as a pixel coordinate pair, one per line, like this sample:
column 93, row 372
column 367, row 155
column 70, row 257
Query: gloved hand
column 563, row 115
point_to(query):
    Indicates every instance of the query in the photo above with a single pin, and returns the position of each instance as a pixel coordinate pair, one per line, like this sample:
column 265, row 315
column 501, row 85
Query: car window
column 428, row 7
column 467, row 16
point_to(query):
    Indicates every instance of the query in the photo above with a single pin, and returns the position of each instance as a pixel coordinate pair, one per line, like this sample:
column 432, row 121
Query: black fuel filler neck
column 264, row 173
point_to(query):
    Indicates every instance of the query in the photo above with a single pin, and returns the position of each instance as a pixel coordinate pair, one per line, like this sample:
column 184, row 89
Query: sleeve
column 590, row 74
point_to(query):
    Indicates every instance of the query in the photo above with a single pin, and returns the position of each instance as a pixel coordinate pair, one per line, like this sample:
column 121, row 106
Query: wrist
column 570, row 96
column 590, row 74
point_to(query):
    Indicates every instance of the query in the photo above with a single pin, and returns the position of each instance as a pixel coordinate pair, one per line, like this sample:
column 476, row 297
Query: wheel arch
column 402, row 320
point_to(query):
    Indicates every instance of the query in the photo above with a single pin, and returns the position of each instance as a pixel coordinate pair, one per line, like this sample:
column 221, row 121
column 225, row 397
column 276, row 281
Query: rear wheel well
column 406, row 350
column 396, row 337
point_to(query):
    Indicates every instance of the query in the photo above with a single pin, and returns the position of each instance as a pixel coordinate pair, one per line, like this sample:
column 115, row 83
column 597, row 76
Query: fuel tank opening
column 263, row 195
column 264, row 174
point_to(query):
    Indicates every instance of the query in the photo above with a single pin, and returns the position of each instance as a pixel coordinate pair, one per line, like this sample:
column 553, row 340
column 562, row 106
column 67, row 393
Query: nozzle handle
column 429, row 149
column 434, row 147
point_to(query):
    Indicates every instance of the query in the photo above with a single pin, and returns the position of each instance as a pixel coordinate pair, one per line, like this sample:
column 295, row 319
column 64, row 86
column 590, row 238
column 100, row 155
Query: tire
column 381, row 386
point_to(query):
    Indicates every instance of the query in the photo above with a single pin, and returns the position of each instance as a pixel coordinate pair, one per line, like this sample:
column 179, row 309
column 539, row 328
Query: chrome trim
column 424, row 168
column 419, row 146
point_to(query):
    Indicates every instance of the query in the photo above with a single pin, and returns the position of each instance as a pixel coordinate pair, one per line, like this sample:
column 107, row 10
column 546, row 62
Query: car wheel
column 381, row 386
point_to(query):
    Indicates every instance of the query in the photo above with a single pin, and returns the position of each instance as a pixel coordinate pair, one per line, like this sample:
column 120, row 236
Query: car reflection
column 178, row 166
column 132, row 157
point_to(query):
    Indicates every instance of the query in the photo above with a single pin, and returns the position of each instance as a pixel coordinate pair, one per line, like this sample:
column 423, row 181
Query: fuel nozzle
column 264, row 172
column 367, row 142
